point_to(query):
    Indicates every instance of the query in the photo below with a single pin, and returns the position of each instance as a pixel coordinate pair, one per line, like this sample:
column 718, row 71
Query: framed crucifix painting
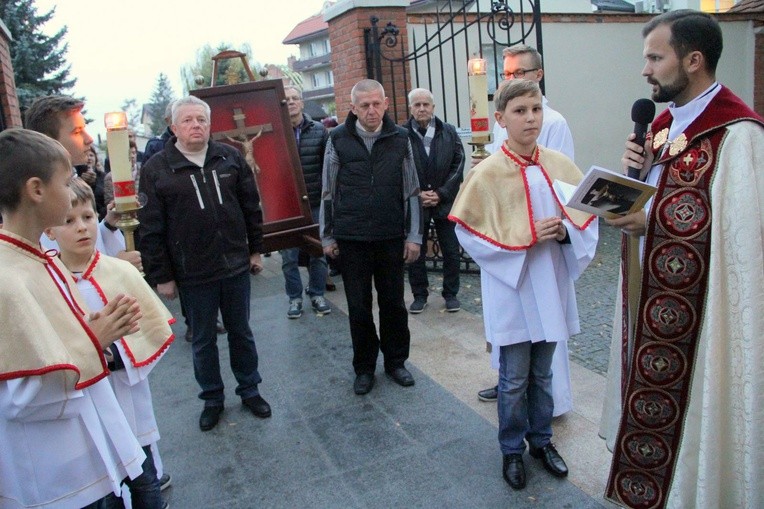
column 253, row 118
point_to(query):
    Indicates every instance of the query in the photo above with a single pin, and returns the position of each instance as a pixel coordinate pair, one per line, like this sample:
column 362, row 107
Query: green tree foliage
column 199, row 73
column 130, row 106
column 39, row 61
column 160, row 98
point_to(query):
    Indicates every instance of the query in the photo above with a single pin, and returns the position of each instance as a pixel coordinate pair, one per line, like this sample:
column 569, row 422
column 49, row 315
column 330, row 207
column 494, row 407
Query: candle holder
column 125, row 200
column 478, row 83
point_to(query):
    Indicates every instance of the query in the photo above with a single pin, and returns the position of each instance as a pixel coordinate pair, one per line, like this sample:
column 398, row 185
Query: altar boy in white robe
column 530, row 249
column 98, row 277
column 65, row 441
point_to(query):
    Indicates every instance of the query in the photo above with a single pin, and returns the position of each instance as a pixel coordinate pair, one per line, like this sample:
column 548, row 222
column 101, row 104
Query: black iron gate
column 442, row 36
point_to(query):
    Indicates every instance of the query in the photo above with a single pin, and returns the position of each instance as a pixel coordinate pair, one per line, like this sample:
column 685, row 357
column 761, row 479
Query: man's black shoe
column 401, row 376
column 553, row 462
column 258, row 406
column 363, row 383
column 489, row 395
column 210, row 417
column 514, row 471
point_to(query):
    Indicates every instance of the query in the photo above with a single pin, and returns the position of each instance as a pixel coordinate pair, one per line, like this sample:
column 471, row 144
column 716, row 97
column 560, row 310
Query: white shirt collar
column 683, row 116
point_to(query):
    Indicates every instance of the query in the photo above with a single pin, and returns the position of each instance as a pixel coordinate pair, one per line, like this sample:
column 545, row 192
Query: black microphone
column 642, row 113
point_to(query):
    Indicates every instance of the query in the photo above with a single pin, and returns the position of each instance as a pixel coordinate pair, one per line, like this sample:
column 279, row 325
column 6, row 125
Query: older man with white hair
column 202, row 237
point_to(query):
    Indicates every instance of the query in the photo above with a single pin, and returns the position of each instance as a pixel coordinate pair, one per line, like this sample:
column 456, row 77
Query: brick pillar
column 347, row 21
column 9, row 103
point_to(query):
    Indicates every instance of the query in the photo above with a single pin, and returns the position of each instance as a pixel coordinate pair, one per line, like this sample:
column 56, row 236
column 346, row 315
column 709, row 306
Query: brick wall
column 8, row 99
column 349, row 59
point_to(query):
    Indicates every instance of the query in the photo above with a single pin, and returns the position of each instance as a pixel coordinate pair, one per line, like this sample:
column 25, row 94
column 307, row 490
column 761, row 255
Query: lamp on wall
column 478, row 84
column 125, row 199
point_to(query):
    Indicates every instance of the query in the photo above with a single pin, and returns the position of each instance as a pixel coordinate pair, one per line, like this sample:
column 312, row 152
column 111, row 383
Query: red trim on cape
column 88, row 276
column 26, row 247
column 45, row 259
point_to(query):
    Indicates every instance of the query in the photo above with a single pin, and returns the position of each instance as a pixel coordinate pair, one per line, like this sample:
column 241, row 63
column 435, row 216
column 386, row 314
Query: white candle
column 118, row 146
column 478, row 82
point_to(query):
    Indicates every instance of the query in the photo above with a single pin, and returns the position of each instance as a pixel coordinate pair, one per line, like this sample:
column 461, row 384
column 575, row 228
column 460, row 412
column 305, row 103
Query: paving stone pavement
column 428, row 446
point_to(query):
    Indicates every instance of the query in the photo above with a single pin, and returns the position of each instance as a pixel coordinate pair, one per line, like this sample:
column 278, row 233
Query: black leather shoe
column 210, row 417
column 553, row 462
column 258, row 406
column 363, row 383
column 489, row 395
column 401, row 376
column 514, row 471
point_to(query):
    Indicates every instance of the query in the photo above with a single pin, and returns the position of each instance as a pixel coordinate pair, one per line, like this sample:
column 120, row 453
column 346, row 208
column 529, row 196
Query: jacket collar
column 412, row 124
column 177, row 160
column 388, row 126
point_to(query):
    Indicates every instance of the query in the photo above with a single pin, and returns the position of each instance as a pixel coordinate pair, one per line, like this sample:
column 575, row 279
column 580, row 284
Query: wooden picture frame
column 253, row 118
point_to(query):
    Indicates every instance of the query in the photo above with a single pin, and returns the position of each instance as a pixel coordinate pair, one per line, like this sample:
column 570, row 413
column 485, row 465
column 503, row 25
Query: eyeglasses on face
column 518, row 74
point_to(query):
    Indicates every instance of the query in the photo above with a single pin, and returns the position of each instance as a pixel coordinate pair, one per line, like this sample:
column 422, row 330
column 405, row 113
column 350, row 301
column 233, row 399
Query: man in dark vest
column 439, row 158
column 371, row 214
column 311, row 139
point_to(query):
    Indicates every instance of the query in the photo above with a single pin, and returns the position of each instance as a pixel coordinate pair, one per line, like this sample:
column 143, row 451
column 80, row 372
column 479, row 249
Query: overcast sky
column 118, row 48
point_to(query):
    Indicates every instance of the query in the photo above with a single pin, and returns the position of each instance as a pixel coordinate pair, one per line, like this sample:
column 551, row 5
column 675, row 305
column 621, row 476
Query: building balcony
column 311, row 63
column 318, row 93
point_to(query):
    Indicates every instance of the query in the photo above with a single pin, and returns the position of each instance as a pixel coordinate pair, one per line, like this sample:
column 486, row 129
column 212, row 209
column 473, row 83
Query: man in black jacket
column 202, row 236
column 371, row 216
column 311, row 139
column 439, row 158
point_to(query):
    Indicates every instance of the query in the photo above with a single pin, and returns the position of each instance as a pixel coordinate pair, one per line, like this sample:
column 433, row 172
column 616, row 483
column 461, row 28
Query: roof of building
column 314, row 25
column 748, row 6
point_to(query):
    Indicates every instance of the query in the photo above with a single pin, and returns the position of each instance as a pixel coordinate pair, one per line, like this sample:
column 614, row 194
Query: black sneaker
column 452, row 304
column 418, row 305
column 164, row 482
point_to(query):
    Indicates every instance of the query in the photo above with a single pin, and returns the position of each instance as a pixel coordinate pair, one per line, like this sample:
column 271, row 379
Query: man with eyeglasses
column 524, row 62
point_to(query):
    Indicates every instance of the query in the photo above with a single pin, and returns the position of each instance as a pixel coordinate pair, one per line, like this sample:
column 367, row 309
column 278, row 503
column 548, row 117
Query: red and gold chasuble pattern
column 658, row 374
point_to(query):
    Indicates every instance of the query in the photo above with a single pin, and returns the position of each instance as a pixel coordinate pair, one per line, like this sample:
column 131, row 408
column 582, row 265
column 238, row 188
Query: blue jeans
column 144, row 489
column 525, row 396
column 449, row 248
column 317, row 270
column 230, row 296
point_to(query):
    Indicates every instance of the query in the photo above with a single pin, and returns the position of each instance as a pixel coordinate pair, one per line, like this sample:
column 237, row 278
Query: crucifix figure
column 244, row 137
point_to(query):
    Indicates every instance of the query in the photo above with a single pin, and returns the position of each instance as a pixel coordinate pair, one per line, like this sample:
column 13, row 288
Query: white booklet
column 605, row 193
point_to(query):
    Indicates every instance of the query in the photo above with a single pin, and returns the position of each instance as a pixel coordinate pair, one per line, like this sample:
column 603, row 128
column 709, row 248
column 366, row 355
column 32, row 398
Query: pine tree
column 39, row 61
column 160, row 98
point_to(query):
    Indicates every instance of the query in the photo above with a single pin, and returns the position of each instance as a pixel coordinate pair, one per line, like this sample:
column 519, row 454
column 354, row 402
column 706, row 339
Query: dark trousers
column 382, row 263
column 231, row 297
column 144, row 489
column 449, row 247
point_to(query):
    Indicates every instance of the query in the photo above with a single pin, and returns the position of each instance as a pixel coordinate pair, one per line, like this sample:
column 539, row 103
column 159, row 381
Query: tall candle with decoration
column 118, row 145
column 478, row 83
column 125, row 199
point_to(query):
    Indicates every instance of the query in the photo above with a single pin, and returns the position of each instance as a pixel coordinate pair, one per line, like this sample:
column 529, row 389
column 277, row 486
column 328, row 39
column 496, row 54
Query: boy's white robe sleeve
column 38, row 398
column 506, row 266
column 582, row 248
column 109, row 242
